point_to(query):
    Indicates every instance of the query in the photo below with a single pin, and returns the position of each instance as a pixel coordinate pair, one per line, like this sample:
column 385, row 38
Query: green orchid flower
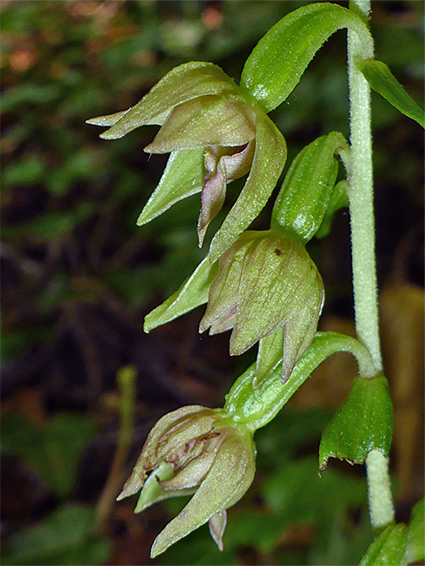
column 267, row 289
column 199, row 451
column 215, row 134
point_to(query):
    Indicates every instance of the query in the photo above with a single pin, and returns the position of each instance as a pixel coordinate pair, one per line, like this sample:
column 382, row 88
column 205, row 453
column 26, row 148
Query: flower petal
column 221, row 169
column 269, row 159
column 236, row 165
column 224, row 290
column 181, row 84
column 206, row 121
column 299, row 331
column 152, row 493
column 228, row 479
column 182, row 177
column 195, row 470
column 273, row 268
column 212, row 199
column 148, row 454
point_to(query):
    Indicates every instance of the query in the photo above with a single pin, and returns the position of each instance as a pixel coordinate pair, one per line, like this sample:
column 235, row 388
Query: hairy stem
column 381, row 507
column 363, row 249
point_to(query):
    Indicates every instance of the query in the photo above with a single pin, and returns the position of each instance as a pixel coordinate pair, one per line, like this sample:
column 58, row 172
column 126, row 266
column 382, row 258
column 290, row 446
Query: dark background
column 78, row 277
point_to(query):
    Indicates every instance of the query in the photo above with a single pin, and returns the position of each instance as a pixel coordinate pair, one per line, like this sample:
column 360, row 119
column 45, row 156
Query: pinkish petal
column 238, row 164
column 267, row 165
column 212, row 199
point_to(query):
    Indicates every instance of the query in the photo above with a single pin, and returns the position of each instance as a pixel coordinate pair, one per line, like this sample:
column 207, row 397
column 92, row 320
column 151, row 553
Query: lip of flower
column 199, row 106
column 195, row 451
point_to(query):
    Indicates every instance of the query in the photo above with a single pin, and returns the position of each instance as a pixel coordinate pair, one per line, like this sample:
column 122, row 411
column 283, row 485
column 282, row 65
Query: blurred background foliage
column 78, row 278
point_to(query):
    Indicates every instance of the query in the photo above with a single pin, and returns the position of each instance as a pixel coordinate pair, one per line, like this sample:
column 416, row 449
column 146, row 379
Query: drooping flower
column 193, row 450
column 215, row 134
column 267, row 289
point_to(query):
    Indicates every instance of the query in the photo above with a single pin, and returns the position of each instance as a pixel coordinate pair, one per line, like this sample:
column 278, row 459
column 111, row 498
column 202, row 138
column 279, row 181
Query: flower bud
column 193, row 450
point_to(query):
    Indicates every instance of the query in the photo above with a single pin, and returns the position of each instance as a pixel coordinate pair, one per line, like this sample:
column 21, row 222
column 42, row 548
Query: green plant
column 263, row 284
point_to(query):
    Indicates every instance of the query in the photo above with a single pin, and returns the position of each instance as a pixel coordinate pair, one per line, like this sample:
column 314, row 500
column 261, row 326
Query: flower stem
column 126, row 379
column 363, row 249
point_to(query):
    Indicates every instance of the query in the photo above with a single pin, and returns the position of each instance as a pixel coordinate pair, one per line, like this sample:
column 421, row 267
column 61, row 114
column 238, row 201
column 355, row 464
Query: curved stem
column 256, row 407
column 363, row 251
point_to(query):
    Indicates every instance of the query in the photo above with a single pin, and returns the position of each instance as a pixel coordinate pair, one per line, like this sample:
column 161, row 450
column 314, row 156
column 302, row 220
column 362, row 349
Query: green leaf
column 415, row 541
column 338, row 200
column 380, row 78
column 53, row 450
column 388, row 548
column 307, row 188
column 182, row 177
column 279, row 59
column 192, row 293
column 361, row 424
column 64, row 537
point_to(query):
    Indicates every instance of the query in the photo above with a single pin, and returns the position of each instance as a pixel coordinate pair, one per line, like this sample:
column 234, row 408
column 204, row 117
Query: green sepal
column 338, row 200
column 306, row 191
column 279, row 59
column 269, row 356
column 192, row 293
column 205, row 121
column 380, row 78
column 183, row 83
column 415, row 540
column 388, row 548
column 182, row 178
column 361, row 424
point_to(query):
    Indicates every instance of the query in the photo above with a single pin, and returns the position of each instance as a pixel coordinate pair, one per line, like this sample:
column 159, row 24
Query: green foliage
column 388, row 548
column 64, row 537
column 363, row 423
column 338, row 200
column 52, row 450
column 415, row 540
column 380, row 78
column 278, row 61
column 307, row 188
